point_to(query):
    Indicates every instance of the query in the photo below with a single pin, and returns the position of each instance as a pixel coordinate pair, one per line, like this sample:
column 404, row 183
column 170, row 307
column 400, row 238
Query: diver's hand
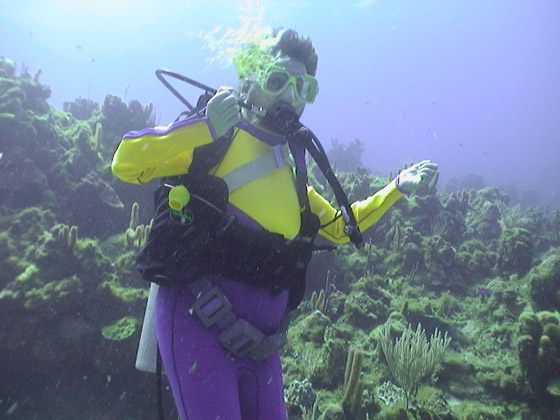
column 418, row 175
column 223, row 110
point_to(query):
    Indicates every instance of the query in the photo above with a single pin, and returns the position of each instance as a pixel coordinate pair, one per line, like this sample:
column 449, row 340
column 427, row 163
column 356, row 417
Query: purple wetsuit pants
column 208, row 382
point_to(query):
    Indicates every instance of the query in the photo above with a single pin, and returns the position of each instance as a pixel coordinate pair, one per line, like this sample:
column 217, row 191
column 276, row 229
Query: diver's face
column 261, row 99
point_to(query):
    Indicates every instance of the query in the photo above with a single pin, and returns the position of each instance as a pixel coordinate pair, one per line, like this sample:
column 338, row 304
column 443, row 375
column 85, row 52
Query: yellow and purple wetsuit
column 207, row 381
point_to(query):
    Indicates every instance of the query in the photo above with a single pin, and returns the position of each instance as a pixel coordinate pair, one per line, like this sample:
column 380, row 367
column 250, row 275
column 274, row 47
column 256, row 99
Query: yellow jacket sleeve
column 160, row 151
column 367, row 212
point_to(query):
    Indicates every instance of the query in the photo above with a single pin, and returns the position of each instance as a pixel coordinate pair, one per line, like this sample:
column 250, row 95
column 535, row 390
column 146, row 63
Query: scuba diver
column 234, row 229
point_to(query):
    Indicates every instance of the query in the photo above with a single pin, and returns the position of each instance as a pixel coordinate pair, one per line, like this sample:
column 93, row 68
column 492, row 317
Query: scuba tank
column 146, row 357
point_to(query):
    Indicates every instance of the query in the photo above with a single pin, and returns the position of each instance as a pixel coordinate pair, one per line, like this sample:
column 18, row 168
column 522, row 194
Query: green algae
column 120, row 330
column 124, row 293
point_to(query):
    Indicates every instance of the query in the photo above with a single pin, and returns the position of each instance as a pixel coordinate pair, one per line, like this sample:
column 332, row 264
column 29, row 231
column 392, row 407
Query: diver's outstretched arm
column 368, row 211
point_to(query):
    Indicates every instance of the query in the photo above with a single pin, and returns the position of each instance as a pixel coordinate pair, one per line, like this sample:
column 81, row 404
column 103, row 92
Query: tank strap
column 236, row 334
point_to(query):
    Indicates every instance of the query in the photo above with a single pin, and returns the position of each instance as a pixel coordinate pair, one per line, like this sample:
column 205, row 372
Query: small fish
column 1, row 154
column 460, row 144
column 484, row 291
column 93, row 60
column 12, row 408
column 78, row 47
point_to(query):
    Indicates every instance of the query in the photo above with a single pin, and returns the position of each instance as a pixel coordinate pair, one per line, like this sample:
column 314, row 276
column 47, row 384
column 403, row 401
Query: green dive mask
column 276, row 79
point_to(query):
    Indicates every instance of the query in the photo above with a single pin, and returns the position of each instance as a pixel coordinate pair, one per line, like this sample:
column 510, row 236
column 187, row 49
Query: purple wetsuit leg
column 207, row 381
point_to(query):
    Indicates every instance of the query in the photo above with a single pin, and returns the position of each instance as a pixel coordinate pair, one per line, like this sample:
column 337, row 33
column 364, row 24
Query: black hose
column 159, row 386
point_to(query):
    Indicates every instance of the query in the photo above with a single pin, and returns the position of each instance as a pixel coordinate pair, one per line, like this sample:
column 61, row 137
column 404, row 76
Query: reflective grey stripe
column 256, row 168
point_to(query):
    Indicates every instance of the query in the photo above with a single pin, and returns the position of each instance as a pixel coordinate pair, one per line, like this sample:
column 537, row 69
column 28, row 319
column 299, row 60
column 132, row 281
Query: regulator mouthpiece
column 281, row 118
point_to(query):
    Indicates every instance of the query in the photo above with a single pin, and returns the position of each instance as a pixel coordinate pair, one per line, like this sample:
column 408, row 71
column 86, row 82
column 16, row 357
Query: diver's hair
column 292, row 45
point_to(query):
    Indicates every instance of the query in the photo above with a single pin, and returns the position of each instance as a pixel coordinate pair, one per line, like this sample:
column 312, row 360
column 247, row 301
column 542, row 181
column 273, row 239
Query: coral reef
column 66, row 272
column 515, row 252
column 544, row 280
column 464, row 262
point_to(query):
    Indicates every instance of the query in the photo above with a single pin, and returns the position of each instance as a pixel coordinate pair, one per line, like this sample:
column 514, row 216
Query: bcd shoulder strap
column 209, row 155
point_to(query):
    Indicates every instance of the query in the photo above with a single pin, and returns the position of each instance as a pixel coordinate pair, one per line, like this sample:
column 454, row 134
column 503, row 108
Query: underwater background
column 473, row 86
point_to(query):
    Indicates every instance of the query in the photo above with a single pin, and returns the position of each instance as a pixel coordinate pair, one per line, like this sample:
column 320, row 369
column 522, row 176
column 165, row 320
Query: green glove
column 223, row 111
column 418, row 175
